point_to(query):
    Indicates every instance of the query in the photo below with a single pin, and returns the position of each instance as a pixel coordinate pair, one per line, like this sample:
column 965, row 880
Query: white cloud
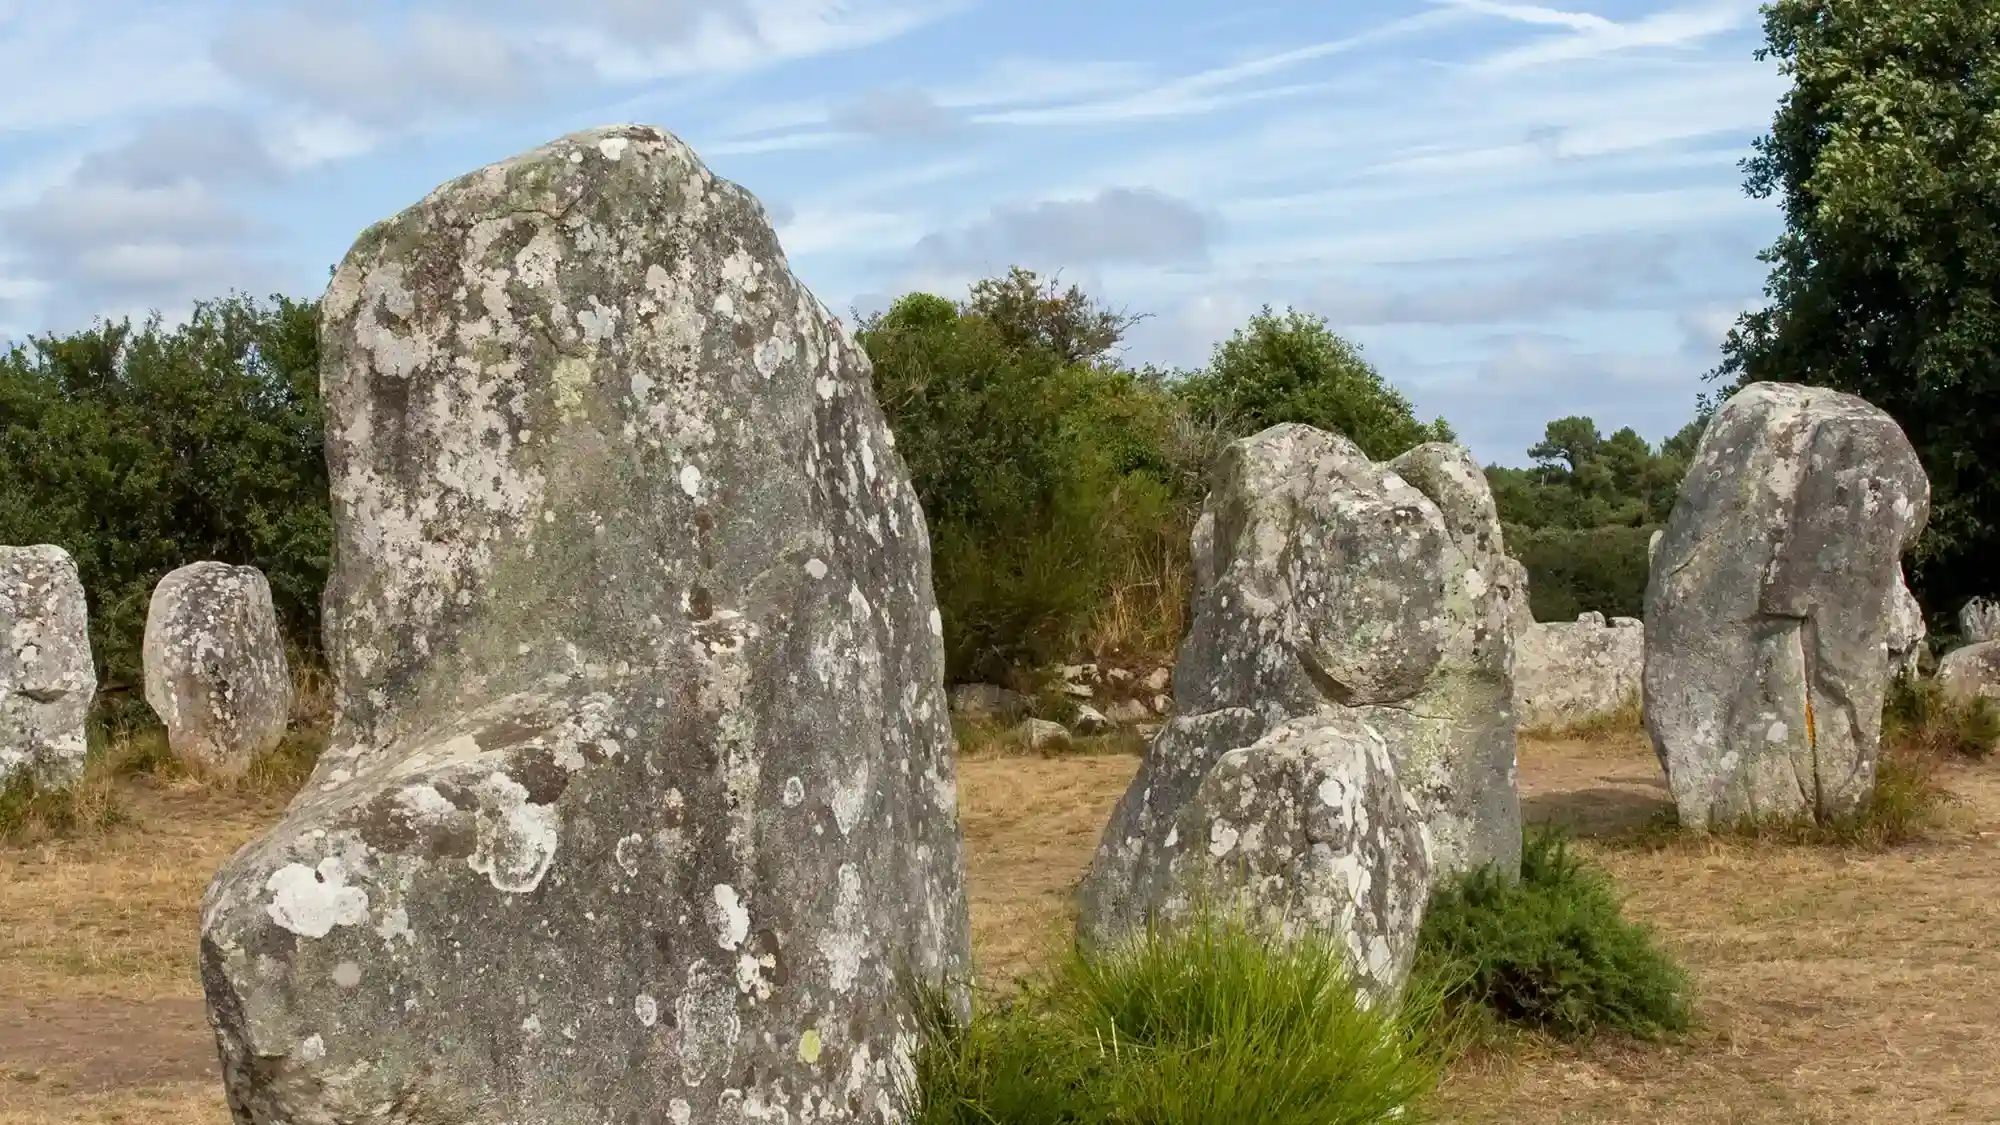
column 906, row 112
column 1117, row 225
column 1594, row 37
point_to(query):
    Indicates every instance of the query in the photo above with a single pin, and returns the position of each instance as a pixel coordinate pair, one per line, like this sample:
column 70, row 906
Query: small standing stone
column 1979, row 620
column 216, row 673
column 47, row 680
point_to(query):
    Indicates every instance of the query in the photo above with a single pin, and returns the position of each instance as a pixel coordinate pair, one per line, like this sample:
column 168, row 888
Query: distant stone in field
column 1971, row 672
column 987, row 703
column 1770, row 613
column 640, row 802
column 1126, row 712
column 1036, row 734
column 1342, row 704
column 1089, row 720
column 1514, row 578
column 1979, row 620
column 1568, row 673
column 215, row 664
column 47, row 680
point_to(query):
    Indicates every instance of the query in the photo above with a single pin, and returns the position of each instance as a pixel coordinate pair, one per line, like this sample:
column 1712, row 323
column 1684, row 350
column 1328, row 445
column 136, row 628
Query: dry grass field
column 1836, row 986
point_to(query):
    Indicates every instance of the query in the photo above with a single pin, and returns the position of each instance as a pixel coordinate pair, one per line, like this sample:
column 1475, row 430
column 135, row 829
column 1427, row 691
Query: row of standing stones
column 215, row 666
column 640, row 799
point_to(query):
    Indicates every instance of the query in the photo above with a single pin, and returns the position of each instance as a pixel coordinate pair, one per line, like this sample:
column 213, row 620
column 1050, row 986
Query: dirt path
column 1834, row 987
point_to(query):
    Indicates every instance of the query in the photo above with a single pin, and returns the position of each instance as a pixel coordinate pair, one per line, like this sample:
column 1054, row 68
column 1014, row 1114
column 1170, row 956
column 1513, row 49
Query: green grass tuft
column 1552, row 951
column 1215, row 1024
column 1921, row 715
column 31, row 812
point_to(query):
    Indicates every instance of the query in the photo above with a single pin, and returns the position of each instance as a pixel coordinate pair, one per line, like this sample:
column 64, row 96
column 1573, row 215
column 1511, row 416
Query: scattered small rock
column 987, row 703
column 1159, row 679
column 1089, row 720
column 1038, row 733
column 1125, row 712
column 1163, row 705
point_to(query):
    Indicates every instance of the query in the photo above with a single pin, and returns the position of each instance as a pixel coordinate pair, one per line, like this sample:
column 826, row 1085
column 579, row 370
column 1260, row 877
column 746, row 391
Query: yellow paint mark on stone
column 1811, row 739
column 571, row 376
column 809, row 1047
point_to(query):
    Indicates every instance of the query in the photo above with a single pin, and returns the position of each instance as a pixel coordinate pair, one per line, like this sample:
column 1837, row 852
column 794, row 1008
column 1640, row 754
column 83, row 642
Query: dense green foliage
column 1046, row 473
column 1885, row 157
column 1580, row 518
column 1214, row 1025
column 1059, row 482
column 1291, row 368
column 1552, row 950
column 1060, row 485
column 139, row 450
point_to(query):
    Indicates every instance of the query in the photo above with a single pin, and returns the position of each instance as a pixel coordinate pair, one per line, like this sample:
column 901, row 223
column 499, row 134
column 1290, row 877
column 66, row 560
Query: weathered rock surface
column 1906, row 630
column 1979, row 620
column 1514, row 577
column 1461, row 770
column 47, row 680
column 1305, row 828
column 1768, row 610
column 1346, row 625
column 640, row 801
column 1566, row 673
column 1971, row 672
column 215, row 664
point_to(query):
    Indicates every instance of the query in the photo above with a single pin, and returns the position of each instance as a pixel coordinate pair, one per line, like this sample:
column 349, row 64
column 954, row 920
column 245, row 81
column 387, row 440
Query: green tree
column 1291, row 367
column 1041, row 466
column 139, row 450
column 1885, row 282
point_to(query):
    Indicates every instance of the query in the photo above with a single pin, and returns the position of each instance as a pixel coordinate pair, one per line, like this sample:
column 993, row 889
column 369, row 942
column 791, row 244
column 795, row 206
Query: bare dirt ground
column 1835, row 987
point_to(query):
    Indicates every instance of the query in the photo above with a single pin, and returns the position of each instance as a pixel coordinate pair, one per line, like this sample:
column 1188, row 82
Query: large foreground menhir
column 639, row 804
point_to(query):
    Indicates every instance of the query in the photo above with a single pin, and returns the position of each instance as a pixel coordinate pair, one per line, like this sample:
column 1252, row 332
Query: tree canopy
column 1885, row 282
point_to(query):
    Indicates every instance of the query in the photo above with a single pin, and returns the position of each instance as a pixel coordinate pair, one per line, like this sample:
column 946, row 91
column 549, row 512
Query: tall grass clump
column 1216, row 1023
column 1920, row 716
column 1551, row 951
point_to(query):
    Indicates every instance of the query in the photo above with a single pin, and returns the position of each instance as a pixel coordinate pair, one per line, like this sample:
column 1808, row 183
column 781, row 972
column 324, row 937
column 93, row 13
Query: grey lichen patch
column 1775, row 611
column 641, row 763
column 47, row 680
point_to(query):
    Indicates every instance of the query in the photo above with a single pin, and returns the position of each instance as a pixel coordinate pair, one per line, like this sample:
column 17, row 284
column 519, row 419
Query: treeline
column 1580, row 518
column 1060, row 482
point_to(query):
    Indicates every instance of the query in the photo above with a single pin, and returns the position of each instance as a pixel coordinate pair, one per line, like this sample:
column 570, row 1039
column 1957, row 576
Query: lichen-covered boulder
column 1514, row 577
column 215, row 664
column 640, row 800
column 1567, row 673
column 1979, row 620
column 1768, row 609
column 1462, row 774
column 1305, row 828
column 1971, row 672
column 1338, row 603
column 47, row 680
column 1319, row 576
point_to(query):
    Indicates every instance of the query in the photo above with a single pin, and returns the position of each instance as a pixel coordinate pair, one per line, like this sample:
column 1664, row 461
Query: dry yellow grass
column 1835, row 987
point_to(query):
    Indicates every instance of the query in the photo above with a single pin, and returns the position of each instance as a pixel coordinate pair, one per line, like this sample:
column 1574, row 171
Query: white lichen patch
column 310, row 902
column 516, row 839
column 730, row 917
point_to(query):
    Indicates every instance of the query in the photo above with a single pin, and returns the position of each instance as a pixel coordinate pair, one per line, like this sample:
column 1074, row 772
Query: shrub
column 1921, row 716
column 1291, row 367
column 1217, row 1024
column 1551, row 951
column 139, row 450
column 1045, row 474
column 1571, row 572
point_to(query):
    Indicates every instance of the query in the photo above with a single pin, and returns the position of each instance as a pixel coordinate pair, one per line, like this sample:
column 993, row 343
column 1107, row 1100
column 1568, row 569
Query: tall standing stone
column 640, row 801
column 216, row 673
column 1351, row 637
column 47, row 680
column 1769, row 620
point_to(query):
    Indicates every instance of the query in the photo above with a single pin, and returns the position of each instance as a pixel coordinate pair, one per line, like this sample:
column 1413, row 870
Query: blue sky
column 1520, row 212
